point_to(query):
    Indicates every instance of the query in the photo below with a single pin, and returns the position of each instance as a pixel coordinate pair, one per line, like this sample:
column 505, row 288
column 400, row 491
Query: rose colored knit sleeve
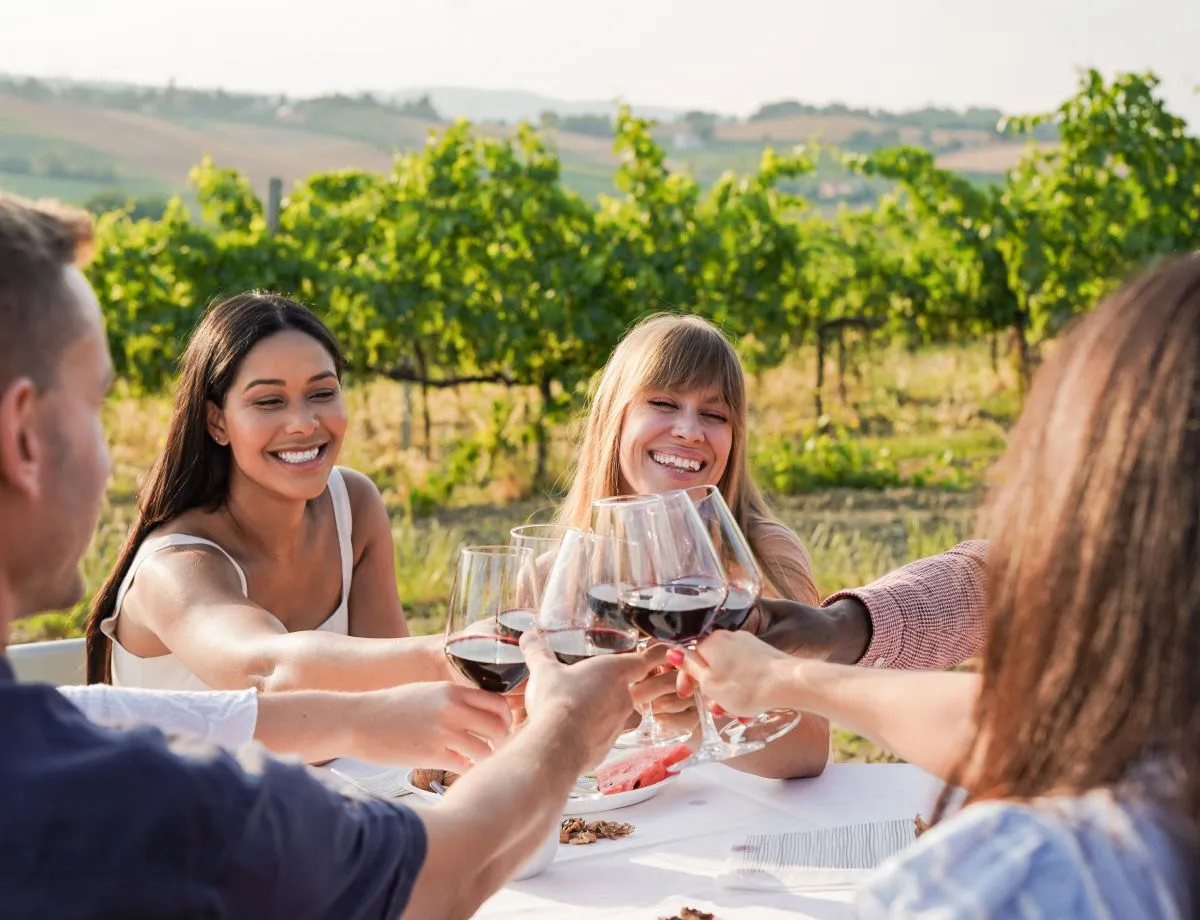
column 929, row 614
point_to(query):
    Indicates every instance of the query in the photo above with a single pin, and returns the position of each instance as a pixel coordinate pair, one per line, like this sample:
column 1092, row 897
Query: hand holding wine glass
column 687, row 563
column 739, row 672
column 592, row 695
column 745, row 581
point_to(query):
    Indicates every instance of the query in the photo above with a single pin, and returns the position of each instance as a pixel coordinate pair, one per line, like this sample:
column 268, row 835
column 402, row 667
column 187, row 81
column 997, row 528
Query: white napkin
column 385, row 782
column 836, row 857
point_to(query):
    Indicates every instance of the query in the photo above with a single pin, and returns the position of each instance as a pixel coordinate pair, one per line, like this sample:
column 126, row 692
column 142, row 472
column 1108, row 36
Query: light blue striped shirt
column 1063, row 858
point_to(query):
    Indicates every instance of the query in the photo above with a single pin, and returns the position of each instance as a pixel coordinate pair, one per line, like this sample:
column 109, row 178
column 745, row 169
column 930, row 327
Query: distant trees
column 421, row 107
column 703, row 124
column 55, row 165
column 145, row 207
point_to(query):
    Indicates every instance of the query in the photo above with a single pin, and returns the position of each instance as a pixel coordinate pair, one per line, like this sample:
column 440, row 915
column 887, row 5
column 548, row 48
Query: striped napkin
column 836, row 857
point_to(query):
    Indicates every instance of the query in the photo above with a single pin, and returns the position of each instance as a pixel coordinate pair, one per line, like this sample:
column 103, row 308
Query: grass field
column 945, row 407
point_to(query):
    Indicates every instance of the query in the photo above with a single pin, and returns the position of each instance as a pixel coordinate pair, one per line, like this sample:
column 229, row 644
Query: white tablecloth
column 684, row 835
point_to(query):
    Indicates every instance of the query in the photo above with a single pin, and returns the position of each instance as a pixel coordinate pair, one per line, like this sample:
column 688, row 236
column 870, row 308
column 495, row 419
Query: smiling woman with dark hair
column 254, row 560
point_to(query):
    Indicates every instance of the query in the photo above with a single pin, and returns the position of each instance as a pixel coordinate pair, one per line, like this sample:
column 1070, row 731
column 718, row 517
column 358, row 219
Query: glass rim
column 636, row 499
column 535, row 531
column 493, row 549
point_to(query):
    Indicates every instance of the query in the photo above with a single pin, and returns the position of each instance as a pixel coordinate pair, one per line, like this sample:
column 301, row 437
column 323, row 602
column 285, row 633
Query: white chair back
column 60, row 662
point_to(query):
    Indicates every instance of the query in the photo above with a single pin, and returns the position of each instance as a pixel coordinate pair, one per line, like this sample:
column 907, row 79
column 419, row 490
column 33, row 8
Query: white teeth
column 298, row 456
column 680, row 463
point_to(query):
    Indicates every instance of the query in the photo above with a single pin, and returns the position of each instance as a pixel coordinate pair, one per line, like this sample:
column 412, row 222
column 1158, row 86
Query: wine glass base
column 716, row 752
column 586, row 788
column 651, row 735
column 761, row 729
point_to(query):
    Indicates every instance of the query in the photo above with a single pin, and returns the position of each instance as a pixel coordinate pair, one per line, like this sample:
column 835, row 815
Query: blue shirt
column 102, row 823
column 1062, row 858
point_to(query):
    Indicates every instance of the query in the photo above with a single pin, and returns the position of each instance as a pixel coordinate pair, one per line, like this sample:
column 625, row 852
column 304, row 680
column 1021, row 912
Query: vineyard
column 470, row 263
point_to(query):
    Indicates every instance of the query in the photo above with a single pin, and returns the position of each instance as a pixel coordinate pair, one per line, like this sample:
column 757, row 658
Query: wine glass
column 690, row 588
column 488, row 585
column 745, row 580
column 612, row 521
column 575, row 626
column 543, row 540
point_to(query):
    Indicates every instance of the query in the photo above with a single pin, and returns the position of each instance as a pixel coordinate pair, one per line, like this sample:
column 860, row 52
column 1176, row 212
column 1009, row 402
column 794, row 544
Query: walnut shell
column 422, row 778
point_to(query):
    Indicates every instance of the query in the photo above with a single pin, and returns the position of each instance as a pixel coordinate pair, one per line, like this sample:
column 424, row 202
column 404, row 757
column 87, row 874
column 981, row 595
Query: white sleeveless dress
column 167, row 672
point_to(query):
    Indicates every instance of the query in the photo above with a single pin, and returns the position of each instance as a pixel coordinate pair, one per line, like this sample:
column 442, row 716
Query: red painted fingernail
column 675, row 656
column 717, row 710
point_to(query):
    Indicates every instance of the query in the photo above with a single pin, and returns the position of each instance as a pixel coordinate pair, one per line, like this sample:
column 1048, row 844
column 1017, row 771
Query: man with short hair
column 101, row 823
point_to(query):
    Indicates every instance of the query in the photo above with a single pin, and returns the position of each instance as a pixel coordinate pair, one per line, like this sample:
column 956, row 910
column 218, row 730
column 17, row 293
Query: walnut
column 920, row 825
column 423, row 778
column 578, row 832
column 690, row 913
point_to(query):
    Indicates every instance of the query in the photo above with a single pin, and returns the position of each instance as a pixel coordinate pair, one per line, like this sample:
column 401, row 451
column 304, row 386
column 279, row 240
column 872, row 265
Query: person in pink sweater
column 927, row 615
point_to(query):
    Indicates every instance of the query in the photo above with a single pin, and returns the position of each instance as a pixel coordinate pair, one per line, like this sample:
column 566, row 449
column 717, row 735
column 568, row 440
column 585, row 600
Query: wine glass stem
column 649, row 723
column 709, row 736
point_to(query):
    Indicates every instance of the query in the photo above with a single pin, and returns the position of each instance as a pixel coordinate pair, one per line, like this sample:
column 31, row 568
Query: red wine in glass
column 604, row 603
column 492, row 663
column 736, row 609
column 578, row 643
column 678, row 612
column 513, row 623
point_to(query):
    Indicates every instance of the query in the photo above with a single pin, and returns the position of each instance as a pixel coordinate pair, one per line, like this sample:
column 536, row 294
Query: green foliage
column 149, row 207
column 471, row 261
column 819, row 461
column 1067, row 224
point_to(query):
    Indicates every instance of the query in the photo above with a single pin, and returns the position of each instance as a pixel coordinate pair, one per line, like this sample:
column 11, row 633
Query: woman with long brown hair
column 254, row 560
column 1077, row 744
column 669, row 411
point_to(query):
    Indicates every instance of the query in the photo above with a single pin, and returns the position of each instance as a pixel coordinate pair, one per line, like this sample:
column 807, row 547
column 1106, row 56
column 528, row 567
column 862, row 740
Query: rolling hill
column 74, row 140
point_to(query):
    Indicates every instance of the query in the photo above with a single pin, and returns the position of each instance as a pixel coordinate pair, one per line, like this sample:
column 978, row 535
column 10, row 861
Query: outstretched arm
column 926, row 718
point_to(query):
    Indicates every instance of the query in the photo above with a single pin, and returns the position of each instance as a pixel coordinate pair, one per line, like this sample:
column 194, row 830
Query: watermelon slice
column 645, row 768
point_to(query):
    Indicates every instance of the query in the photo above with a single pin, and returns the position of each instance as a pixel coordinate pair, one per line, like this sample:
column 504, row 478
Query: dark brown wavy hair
column 1092, row 666
column 193, row 470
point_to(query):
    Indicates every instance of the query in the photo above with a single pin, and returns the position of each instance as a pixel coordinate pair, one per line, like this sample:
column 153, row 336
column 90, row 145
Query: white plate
column 589, row 806
column 574, row 806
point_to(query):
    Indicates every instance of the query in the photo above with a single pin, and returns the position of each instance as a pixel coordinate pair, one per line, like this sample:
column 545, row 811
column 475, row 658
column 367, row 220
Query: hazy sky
column 729, row 55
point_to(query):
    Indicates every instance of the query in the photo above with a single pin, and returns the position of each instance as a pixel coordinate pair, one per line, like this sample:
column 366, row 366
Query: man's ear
column 216, row 424
column 23, row 451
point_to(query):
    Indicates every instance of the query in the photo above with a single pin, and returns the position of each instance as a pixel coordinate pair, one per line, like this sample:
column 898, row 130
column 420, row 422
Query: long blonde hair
column 684, row 353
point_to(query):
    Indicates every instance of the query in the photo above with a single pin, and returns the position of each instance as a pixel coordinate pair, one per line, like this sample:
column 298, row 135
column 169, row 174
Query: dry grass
column 797, row 129
column 997, row 157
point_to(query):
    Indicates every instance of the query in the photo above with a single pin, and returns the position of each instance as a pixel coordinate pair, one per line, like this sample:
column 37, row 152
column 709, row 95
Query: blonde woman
column 669, row 412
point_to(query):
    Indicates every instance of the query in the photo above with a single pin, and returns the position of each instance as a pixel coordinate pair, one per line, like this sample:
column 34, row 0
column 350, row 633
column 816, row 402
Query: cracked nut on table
column 690, row 913
column 578, row 832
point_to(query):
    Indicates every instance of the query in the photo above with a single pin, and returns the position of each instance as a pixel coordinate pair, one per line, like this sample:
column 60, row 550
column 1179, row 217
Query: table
column 684, row 834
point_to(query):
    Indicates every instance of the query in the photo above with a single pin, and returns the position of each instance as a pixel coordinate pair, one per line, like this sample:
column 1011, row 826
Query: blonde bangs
column 689, row 355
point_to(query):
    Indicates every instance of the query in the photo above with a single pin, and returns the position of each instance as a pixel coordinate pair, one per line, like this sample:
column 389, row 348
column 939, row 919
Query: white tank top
column 167, row 672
